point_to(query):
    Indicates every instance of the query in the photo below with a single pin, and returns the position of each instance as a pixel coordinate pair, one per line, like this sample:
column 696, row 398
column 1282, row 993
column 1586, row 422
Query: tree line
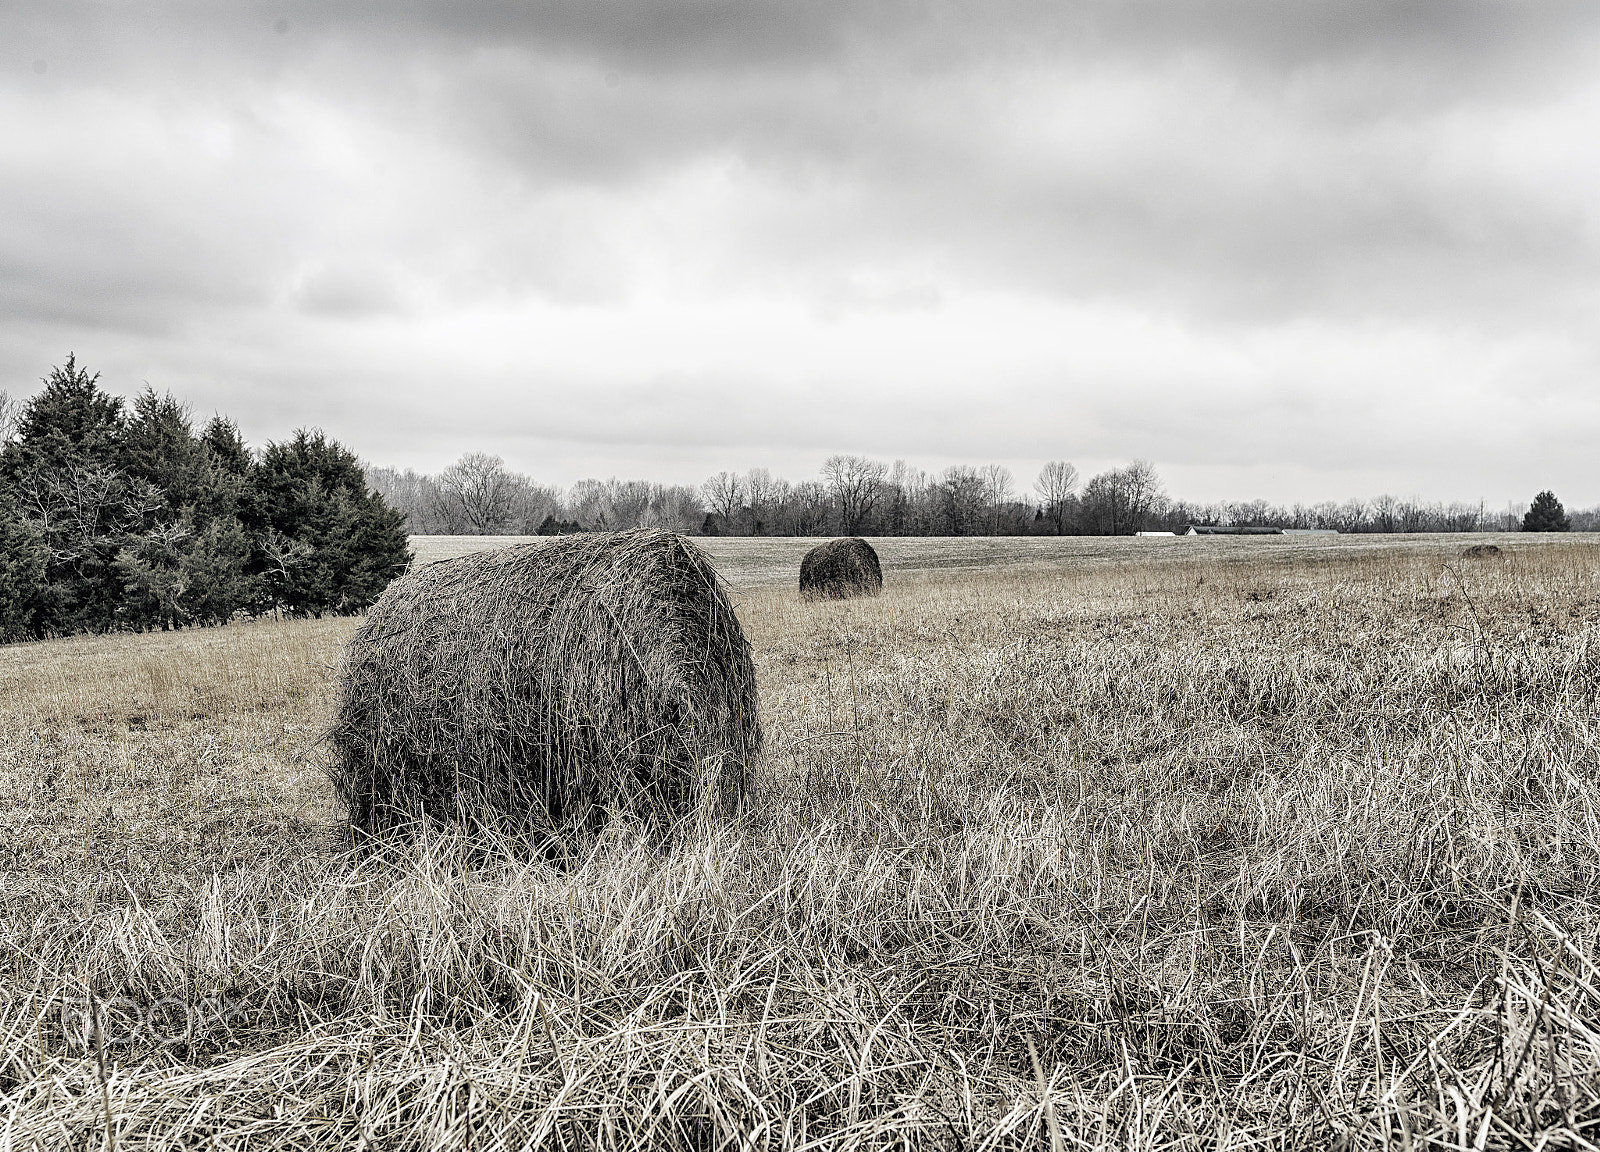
column 855, row 495
column 118, row 515
column 479, row 496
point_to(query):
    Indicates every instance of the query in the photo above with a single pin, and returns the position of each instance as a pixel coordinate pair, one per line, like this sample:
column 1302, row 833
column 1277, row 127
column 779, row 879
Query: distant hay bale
column 547, row 685
column 1481, row 552
column 840, row 569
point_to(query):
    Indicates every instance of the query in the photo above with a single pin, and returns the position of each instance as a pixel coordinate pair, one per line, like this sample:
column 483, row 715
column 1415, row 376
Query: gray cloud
column 266, row 205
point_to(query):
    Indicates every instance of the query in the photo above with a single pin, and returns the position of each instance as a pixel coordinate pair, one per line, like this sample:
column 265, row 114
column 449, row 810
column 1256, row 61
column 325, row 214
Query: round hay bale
column 547, row 685
column 1481, row 552
column 840, row 569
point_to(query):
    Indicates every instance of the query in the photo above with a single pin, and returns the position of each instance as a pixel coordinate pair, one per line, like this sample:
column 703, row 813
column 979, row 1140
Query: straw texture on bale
column 840, row 569
column 547, row 685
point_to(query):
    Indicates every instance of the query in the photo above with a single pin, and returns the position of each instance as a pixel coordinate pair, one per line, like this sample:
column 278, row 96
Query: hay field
column 1230, row 849
column 749, row 561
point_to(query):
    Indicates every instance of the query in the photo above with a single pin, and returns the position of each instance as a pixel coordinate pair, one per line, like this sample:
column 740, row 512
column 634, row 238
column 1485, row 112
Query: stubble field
column 1152, row 844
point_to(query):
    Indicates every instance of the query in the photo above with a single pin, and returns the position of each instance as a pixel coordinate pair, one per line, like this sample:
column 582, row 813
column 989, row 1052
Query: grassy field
column 1107, row 844
column 747, row 561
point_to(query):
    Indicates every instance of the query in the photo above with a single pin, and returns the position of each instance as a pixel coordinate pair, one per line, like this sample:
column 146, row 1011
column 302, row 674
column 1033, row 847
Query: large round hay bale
column 546, row 685
column 840, row 569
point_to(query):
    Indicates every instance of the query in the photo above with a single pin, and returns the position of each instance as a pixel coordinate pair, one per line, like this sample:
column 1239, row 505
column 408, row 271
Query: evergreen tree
column 187, row 563
column 228, row 449
column 70, row 422
column 61, row 473
column 1546, row 515
column 217, row 572
column 23, row 557
column 159, row 447
column 324, row 541
column 125, row 517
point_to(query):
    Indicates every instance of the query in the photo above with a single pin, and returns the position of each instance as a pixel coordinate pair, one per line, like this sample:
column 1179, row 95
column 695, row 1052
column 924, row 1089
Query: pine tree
column 71, row 421
column 187, row 563
column 228, row 450
column 124, row 517
column 324, row 541
column 23, row 557
column 61, row 473
column 1546, row 515
column 159, row 447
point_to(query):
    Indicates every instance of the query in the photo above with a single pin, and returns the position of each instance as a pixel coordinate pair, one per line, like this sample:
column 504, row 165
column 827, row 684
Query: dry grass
column 1226, row 850
column 751, row 561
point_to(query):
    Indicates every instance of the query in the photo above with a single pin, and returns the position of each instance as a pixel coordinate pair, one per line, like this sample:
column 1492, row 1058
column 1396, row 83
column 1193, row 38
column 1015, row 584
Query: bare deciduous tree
column 1056, row 486
column 433, row 510
column 1386, row 514
column 589, row 503
column 84, row 508
column 415, row 494
column 767, row 494
column 1121, row 501
column 630, row 501
column 476, row 491
column 283, row 554
column 530, row 505
column 811, row 500
column 856, row 484
column 997, row 491
column 674, row 507
column 961, row 496
column 1459, row 517
column 725, row 494
column 913, row 505
column 611, row 505
column 10, row 417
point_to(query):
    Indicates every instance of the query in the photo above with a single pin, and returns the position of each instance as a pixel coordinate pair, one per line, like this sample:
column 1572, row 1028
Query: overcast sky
column 1298, row 251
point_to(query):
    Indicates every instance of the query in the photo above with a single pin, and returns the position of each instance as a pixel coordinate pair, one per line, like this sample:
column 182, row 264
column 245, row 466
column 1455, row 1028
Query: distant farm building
column 1236, row 530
